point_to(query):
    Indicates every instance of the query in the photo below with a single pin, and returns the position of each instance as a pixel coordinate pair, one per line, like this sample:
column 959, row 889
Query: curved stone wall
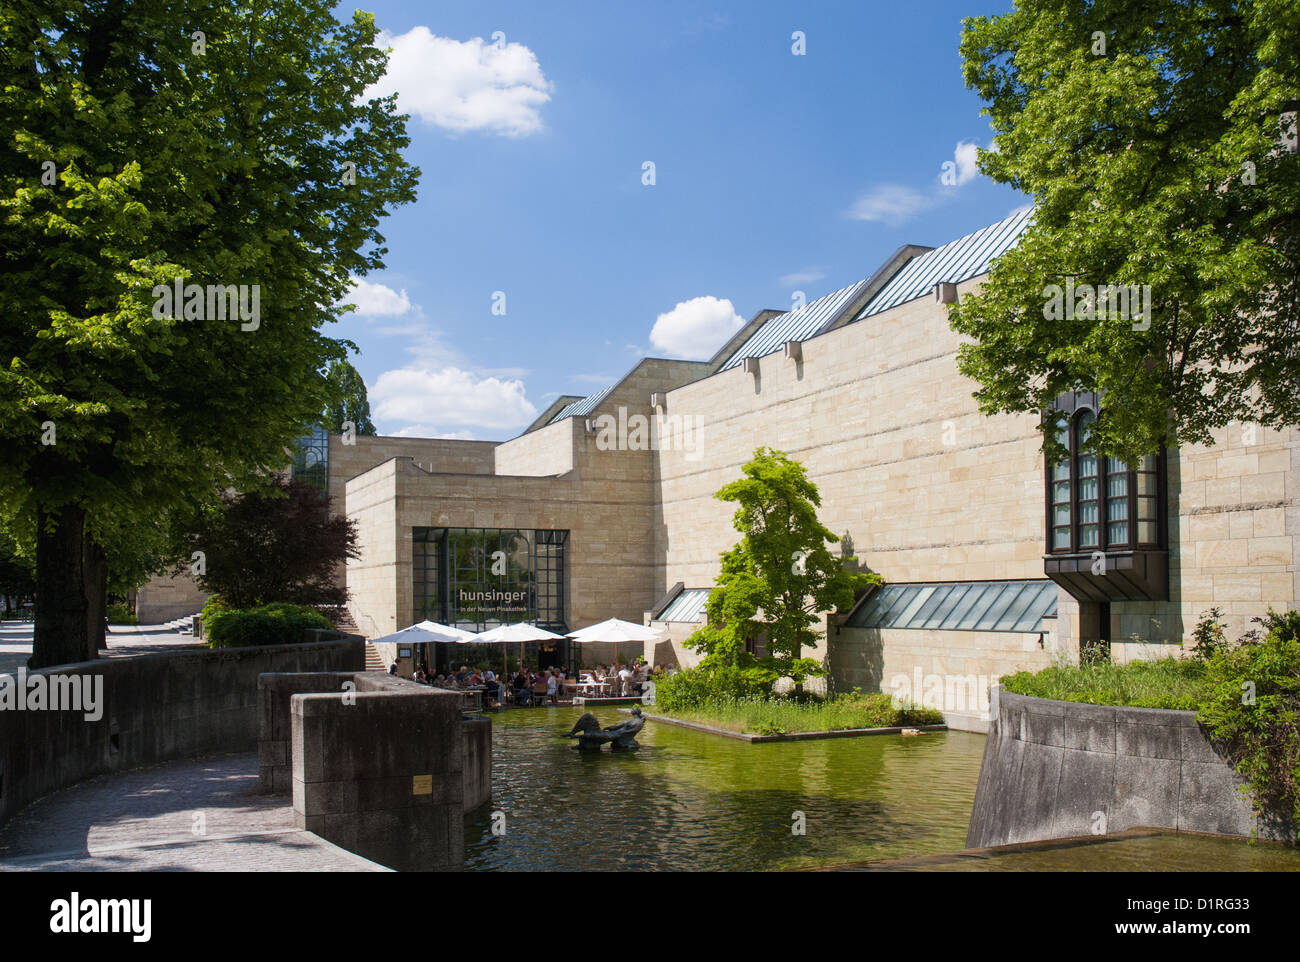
column 144, row 709
column 1057, row 769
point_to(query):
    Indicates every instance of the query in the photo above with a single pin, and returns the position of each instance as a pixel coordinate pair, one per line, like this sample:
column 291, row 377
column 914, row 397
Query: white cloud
column 891, row 204
column 377, row 300
column 965, row 156
column 462, row 86
column 1020, row 210
column 450, row 396
column 428, row 431
column 694, row 329
column 805, row 276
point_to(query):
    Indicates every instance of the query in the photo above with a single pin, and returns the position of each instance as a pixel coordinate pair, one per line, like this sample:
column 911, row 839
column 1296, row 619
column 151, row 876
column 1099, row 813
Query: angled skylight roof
column 1018, row 606
column 582, row 407
column 956, row 261
column 808, row 321
column 687, row 606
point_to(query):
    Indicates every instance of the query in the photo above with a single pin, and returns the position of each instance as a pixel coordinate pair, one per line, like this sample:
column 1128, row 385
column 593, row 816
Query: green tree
column 226, row 145
column 348, row 400
column 17, row 572
column 779, row 579
column 278, row 543
column 1152, row 136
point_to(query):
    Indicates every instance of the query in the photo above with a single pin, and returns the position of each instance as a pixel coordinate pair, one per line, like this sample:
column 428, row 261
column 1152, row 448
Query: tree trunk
column 59, row 637
column 96, row 574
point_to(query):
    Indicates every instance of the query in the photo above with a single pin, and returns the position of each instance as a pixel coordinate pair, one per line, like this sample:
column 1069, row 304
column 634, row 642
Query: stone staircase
column 373, row 661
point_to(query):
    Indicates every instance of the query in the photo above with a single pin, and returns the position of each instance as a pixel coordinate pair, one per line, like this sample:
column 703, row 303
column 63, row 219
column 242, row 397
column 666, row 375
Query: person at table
column 522, row 694
column 461, row 676
column 624, row 680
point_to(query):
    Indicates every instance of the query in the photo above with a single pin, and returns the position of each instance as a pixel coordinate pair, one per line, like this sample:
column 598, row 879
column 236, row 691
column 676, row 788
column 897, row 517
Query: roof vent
column 794, row 350
column 750, row 365
column 945, row 292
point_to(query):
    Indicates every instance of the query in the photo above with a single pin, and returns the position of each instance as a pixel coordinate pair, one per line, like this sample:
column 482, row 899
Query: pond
column 691, row 801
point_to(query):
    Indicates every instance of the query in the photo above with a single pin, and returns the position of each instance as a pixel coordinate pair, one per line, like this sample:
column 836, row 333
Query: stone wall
column 381, row 772
column 152, row 708
column 1234, row 535
column 1055, row 769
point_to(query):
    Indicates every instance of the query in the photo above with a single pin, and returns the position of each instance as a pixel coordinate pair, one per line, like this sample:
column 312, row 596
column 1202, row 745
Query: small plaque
column 422, row 785
column 403, row 652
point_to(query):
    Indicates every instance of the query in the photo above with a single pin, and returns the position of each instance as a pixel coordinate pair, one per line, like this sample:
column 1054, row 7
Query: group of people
column 627, row 680
column 526, row 684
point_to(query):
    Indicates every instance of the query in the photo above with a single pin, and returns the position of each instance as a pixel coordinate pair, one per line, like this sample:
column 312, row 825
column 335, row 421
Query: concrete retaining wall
column 151, row 709
column 382, row 771
column 1056, row 769
column 275, row 746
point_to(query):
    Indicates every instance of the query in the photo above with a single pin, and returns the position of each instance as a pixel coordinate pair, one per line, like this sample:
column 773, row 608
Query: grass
column 1168, row 683
column 781, row 716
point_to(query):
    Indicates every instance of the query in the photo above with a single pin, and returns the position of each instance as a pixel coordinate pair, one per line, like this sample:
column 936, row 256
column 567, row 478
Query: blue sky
column 773, row 172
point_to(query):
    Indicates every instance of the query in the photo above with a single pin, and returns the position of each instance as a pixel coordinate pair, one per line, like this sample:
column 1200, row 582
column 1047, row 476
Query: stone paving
column 123, row 640
column 200, row 815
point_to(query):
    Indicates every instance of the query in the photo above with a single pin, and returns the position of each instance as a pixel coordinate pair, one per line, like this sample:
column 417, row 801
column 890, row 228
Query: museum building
column 604, row 506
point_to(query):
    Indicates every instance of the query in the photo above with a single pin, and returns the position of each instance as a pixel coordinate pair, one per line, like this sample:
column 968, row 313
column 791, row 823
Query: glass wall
column 478, row 578
column 311, row 459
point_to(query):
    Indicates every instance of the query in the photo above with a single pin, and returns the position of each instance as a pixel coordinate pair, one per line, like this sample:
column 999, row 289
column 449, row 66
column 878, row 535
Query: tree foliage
column 779, row 579
column 1150, row 134
column 278, row 543
column 348, row 401
column 249, row 157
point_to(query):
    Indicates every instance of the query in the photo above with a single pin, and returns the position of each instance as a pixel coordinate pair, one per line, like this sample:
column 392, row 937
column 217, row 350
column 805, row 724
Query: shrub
column 273, row 624
column 1209, row 635
column 698, row 686
column 121, row 615
column 1253, row 712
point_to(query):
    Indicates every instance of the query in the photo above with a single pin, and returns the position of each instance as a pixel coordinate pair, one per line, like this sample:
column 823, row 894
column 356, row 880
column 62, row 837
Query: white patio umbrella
column 617, row 631
column 426, row 632
column 423, row 633
column 520, row 631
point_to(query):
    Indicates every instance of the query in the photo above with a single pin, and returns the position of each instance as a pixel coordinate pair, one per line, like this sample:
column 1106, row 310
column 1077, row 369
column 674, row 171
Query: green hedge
column 274, row 624
column 699, row 686
column 121, row 615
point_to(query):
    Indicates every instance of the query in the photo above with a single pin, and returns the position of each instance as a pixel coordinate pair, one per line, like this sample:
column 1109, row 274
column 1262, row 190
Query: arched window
column 1096, row 503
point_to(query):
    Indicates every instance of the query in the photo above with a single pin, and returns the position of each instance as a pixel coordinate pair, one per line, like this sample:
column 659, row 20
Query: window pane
column 1087, row 489
column 1061, row 514
column 1147, row 483
column 1147, row 509
column 1117, row 485
column 1061, row 539
column 1117, row 533
column 1087, row 535
column 1147, row 532
column 1060, row 492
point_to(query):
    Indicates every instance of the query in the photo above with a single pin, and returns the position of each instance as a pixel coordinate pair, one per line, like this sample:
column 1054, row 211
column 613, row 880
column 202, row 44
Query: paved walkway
column 187, row 816
column 123, row 640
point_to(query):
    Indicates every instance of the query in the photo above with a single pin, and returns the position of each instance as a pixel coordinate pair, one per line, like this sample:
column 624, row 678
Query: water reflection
column 691, row 801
